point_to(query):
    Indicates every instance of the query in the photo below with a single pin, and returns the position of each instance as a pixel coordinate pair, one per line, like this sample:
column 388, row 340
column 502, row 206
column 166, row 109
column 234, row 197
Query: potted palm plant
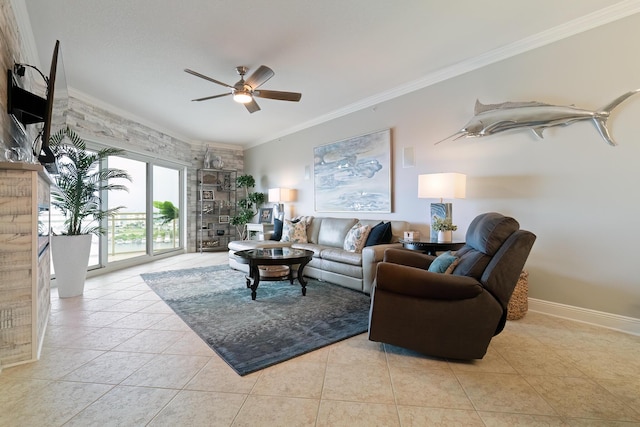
column 247, row 205
column 77, row 194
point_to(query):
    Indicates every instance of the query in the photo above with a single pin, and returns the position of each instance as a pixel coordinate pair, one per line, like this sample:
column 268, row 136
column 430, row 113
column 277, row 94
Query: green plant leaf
column 80, row 182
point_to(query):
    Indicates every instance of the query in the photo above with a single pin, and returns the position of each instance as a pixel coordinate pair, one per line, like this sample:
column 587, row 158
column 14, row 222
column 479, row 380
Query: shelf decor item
column 266, row 215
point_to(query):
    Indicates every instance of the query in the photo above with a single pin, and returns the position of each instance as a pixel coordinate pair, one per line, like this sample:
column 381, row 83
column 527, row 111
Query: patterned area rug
column 279, row 325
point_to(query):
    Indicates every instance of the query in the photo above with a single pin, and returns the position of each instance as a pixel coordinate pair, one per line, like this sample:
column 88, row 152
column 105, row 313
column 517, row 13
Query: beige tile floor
column 118, row 356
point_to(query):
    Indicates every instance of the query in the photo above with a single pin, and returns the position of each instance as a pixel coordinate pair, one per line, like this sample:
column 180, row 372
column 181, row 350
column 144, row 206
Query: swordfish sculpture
column 537, row 116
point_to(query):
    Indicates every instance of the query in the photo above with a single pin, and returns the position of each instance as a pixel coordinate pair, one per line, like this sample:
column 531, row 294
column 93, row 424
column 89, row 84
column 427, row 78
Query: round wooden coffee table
column 274, row 256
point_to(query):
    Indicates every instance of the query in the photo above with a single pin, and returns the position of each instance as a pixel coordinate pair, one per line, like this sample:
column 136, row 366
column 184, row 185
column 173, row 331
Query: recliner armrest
column 407, row 257
column 420, row 283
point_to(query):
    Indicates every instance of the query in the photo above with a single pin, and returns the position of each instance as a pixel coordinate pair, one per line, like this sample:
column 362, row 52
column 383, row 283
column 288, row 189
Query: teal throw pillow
column 442, row 262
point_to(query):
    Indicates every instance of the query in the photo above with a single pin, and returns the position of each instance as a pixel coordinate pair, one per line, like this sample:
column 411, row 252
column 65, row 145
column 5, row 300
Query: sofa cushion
column 313, row 229
column 356, row 238
column 317, row 249
column 334, row 230
column 294, row 232
column 379, row 235
column 341, row 256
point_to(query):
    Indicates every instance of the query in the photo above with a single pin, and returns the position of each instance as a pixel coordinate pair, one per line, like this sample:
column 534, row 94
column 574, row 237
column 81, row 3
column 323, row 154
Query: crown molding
column 590, row 21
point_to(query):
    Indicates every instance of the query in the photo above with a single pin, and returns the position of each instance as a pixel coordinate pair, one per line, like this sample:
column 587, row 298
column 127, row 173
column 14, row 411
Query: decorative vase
column 207, row 159
column 445, row 236
column 70, row 256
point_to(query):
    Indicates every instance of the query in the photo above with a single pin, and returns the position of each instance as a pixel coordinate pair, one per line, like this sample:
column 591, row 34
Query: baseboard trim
column 625, row 324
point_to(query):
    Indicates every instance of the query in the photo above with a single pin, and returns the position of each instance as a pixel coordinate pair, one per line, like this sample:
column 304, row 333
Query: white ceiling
column 342, row 55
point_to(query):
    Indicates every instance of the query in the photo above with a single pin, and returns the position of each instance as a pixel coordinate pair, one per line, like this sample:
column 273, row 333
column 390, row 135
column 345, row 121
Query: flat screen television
column 28, row 108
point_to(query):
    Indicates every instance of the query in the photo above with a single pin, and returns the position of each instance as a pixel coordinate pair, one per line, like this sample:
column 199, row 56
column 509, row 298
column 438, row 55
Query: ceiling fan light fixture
column 242, row 96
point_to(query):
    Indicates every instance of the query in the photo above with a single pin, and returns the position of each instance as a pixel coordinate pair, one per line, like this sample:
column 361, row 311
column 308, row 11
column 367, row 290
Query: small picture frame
column 265, row 215
column 207, row 195
column 223, row 219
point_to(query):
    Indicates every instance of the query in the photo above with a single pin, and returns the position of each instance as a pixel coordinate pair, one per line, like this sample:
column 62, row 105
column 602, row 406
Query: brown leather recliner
column 450, row 315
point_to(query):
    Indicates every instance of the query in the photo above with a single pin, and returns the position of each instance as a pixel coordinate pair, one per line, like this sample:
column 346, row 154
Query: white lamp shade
column 442, row 186
column 279, row 195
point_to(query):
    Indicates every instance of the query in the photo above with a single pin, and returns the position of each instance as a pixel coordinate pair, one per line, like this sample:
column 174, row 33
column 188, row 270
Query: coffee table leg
column 301, row 279
column 255, row 280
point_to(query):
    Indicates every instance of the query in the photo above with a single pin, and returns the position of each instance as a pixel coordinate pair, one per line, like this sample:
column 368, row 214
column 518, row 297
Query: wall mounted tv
column 28, row 108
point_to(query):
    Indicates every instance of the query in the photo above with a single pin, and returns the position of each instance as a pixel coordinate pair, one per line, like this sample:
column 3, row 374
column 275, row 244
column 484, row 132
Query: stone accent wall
column 10, row 53
column 100, row 125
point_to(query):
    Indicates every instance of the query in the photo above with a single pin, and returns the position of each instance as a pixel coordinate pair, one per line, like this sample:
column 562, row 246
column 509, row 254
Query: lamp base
column 441, row 210
column 278, row 211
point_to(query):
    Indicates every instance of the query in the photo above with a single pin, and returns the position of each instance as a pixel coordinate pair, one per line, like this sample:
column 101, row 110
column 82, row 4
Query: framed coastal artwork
column 354, row 175
column 265, row 215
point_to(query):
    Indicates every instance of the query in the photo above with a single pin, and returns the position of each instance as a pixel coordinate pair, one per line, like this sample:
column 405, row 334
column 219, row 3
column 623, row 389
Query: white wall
column 579, row 195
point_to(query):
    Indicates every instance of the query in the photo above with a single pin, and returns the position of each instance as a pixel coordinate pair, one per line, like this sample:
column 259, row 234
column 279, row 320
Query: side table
column 430, row 247
column 259, row 229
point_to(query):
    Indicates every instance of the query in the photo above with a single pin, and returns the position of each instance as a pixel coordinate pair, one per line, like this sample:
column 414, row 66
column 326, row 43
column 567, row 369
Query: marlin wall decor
column 537, row 116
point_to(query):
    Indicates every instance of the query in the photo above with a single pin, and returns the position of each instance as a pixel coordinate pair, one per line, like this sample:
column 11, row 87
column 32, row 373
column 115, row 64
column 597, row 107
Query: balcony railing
column 127, row 234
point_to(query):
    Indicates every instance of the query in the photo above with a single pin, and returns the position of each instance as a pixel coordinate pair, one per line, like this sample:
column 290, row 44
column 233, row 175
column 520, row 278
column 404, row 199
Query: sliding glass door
column 127, row 230
column 166, row 212
column 149, row 220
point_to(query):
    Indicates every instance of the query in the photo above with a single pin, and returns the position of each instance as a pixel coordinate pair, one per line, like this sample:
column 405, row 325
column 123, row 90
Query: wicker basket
column 273, row 271
column 519, row 302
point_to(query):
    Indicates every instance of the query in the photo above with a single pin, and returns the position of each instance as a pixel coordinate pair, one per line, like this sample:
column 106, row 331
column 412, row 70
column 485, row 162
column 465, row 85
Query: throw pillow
column 356, row 237
column 442, row 262
column 294, row 232
column 452, row 267
column 277, row 230
column 380, row 234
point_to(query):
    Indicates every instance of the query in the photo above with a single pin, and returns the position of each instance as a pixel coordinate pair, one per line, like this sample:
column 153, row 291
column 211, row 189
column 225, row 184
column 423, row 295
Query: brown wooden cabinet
column 25, row 272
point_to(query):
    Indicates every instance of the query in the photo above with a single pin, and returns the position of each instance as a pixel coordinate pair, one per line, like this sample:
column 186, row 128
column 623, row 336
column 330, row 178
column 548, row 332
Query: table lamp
column 442, row 186
column 277, row 196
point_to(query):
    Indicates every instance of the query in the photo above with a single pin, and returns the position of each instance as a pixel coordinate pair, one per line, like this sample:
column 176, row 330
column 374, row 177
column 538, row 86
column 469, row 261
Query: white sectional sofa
column 332, row 263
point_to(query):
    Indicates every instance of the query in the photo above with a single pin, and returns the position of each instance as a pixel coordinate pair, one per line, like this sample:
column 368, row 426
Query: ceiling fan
column 245, row 91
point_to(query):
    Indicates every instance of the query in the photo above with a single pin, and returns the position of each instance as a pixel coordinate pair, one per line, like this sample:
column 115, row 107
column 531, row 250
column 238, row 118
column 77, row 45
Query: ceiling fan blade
column 252, row 106
column 260, row 76
column 276, row 94
column 202, row 76
column 212, row 97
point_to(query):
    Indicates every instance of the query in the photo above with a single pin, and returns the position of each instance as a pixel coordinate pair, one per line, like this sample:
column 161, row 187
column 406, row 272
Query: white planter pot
column 445, row 236
column 70, row 255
